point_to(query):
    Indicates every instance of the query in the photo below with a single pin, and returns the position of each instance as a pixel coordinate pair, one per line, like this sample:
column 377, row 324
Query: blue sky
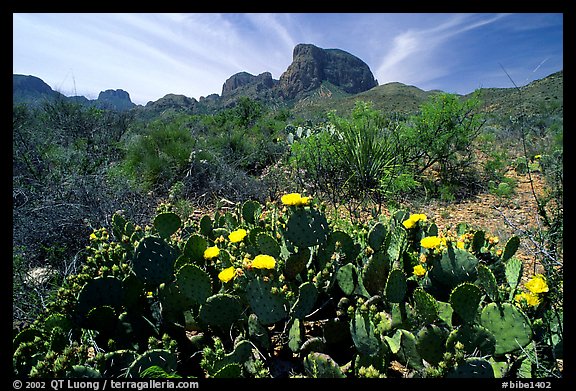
column 150, row 55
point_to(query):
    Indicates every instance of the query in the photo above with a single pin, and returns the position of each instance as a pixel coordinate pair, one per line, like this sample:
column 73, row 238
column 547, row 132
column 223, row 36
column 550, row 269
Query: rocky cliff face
column 244, row 79
column 115, row 100
column 311, row 65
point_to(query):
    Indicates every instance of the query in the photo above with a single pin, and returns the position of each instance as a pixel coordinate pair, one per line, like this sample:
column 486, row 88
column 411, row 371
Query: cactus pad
column 153, row 261
column 454, row 267
column 510, row 326
column 425, row 305
column 487, row 281
column 511, row 247
column 430, row 343
column 268, row 245
column 167, row 224
column 477, row 340
column 472, row 367
column 155, row 357
column 306, row 228
column 195, row 247
column 377, row 236
column 396, row 286
column 375, row 272
column 296, row 263
column 362, row 331
column 465, row 299
column 269, row 307
column 221, row 310
column 194, row 283
column 251, row 211
column 320, row 365
column 306, row 300
column 101, row 291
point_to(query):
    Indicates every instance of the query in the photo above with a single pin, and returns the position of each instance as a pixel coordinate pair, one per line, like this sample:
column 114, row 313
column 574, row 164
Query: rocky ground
column 499, row 216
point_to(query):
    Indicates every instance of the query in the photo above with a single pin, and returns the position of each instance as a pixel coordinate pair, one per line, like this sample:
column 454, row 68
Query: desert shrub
column 354, row 160
column 441, row 137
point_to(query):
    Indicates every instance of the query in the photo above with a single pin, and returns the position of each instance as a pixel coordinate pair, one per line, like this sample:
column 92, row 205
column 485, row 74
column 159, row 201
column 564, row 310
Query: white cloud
column 413, row 57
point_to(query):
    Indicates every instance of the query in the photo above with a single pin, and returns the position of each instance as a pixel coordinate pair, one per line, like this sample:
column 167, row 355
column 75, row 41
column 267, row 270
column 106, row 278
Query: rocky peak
column 114, row 100
column 312, row 65
column 242, row 79
column 114, row 95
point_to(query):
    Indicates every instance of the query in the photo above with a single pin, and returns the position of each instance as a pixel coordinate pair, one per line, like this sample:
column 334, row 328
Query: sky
column 150, row 55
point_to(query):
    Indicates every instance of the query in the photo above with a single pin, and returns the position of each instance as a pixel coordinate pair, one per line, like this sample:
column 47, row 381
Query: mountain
column 312, row 65
column 34, row 91
column 31, row 90
column 540, row 96
column 317, row 80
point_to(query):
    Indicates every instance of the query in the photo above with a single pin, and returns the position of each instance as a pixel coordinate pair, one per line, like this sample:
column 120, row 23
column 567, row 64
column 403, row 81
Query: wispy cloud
column 414, row 56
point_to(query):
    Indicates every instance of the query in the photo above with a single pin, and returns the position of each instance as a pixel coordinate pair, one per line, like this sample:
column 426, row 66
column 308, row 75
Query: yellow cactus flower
column 295, row 199
column 93, row 236
column 530, row 298
column 413, row 219
column 431, row 242
column 211, row 252
column 227, row 274
column 537, row 284
column 264, row 262
column 237, row 236
column 419, row 270
column 460, row 244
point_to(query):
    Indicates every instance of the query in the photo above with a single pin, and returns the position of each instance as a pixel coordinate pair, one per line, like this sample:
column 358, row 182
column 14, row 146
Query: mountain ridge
column 315, row 80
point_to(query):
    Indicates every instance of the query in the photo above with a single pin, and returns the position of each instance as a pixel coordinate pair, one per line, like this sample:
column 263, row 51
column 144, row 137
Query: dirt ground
column 499, row 216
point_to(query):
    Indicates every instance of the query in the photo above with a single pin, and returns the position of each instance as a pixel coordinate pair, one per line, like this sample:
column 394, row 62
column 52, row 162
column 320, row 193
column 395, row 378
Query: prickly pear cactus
column 376, row 272
column 396, row 286
column 472, row 367
column 221, row 311
column 509, row 325
column 307, row 228
column 476, row 340
column 308, row 293
column 347, row 277
column 454, row 267
column 513, row 273
column 194, row 283
column 101, row 291
column 167, row 224
column 250, row 211
column 431, row 343
column 195, row 247
column 153, row 261
column 155, row 357
column 425, row 305
column 206, row 226
column 268, row 245
column 487, row 281
column 320, row 365
column 296, row 263
column 377, row 236
column 465, row 299
column 511, row 247
column 116, row 363
column 344, row 243
column 269, row 307
column 362, row 331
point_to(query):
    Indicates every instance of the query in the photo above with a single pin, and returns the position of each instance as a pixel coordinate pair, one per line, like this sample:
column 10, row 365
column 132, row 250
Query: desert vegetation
column 255, row 243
